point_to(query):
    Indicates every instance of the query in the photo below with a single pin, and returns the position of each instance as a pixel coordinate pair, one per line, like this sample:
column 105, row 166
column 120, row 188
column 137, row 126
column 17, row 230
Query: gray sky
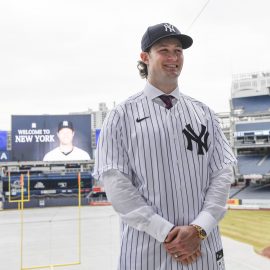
column 61, row 56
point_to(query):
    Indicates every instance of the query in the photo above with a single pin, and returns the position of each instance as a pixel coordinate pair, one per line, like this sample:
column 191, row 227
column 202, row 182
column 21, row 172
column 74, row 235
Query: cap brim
column 185, row 40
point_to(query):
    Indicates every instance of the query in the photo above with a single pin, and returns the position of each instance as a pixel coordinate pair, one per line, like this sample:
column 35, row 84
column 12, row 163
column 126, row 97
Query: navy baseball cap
column 162, row 30
column 65, row 124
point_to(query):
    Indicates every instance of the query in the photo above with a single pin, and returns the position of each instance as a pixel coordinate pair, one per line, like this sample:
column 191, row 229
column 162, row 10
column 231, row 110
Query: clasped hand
column 183, row 244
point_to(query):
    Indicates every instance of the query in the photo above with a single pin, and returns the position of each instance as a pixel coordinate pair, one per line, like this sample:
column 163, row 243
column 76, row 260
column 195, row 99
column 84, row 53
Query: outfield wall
column 248, row 204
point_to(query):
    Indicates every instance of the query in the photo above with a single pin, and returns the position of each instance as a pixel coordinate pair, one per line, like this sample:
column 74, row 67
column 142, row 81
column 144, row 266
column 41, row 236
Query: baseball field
column 248, row 226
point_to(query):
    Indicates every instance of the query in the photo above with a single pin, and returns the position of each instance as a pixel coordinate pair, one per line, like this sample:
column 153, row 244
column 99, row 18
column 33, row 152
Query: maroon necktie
column 167, row 99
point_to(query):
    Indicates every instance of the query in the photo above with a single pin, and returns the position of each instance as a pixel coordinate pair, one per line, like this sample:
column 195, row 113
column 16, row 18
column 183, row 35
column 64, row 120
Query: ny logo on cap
column 169, row 27
column 65, row 123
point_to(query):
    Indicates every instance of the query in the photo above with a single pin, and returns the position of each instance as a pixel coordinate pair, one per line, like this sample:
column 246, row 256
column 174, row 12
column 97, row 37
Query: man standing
column 166, row 166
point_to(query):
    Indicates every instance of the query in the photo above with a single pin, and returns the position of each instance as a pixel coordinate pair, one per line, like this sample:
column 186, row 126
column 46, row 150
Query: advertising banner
column 51, row 137
column 3, row 140
column 5, row 156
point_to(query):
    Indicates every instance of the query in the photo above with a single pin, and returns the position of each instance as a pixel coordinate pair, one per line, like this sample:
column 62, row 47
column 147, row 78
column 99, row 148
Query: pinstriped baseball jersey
column 169, row 155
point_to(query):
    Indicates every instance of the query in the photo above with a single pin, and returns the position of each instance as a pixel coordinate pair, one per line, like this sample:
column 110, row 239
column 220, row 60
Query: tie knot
column 167, row 99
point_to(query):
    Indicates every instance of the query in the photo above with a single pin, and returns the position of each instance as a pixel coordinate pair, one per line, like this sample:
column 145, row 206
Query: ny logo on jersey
column 168, row 27
column 192, row 136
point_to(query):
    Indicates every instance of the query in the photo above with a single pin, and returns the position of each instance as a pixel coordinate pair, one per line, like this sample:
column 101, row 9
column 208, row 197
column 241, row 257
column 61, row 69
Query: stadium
column 250, row 135
column 26, row 181
column 46, row 183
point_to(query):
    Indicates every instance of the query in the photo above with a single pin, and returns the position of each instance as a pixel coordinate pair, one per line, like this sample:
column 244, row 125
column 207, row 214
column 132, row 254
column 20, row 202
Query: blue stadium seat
column 252, row 164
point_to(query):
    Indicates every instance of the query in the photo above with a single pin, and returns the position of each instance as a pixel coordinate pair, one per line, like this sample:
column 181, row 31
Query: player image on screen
column 66, row 150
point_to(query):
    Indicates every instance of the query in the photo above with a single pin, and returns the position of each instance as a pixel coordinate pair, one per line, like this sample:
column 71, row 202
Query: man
column 166, row 166
column 66, row 150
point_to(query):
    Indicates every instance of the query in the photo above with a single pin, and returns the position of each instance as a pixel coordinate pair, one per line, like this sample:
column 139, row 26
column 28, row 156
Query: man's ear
column 145, row 57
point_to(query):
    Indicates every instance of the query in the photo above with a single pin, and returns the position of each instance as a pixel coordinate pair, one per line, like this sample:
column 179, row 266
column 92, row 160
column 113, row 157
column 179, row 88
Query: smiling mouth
column 171, row 66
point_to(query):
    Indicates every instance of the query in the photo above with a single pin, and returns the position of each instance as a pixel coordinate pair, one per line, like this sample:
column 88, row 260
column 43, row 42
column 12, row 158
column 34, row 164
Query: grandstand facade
column 250, row 126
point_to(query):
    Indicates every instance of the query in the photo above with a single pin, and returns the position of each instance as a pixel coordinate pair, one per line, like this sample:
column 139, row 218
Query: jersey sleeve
column 111, row 152
column 222, row 152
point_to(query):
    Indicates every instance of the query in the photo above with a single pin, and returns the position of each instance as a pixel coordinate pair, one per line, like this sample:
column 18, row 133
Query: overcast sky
column 61, row 56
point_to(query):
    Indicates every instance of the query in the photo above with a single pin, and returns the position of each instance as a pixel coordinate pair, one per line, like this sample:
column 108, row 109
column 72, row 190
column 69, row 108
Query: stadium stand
column 250, row 127
column 255, row 104
column 254, row 164
column 46, row 184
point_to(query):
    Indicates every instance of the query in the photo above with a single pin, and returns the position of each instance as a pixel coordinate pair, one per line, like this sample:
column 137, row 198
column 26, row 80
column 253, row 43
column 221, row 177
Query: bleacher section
column 254, row 164
column 252, row 126
column 251, row 192
column 254, row 104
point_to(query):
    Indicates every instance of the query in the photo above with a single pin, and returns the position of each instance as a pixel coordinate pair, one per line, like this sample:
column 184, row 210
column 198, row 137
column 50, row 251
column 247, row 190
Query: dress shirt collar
column 152, row 92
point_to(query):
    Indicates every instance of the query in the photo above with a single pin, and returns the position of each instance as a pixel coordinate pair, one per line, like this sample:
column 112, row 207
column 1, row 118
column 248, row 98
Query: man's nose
column 173, row 56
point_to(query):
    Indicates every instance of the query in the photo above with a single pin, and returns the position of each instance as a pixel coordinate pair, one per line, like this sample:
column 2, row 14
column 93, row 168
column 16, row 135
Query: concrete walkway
column 240, row 256
column 50, row 236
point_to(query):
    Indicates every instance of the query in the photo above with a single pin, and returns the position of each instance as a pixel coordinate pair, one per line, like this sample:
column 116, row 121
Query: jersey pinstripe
column 169, row 155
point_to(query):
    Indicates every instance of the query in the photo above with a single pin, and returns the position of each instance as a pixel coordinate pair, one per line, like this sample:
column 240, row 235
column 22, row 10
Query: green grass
column 248, row 226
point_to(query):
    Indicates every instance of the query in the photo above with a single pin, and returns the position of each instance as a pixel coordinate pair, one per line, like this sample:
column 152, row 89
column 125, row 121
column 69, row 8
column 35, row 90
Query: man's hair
column 142, row 67
column 143, row 71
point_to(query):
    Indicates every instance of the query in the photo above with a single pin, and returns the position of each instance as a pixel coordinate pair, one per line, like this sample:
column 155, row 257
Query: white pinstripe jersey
column 169, row 154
